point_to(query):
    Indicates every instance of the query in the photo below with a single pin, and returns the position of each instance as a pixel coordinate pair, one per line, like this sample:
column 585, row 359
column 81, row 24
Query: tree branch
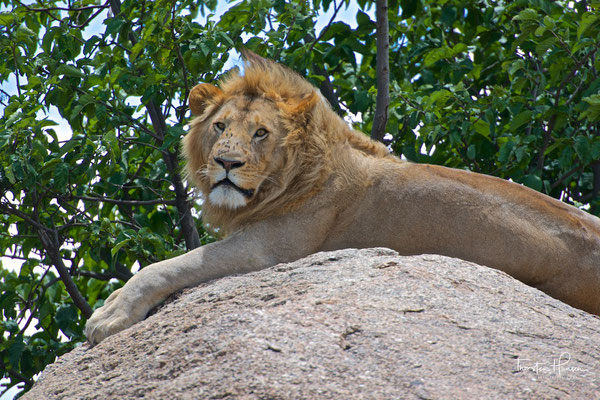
column 10, row 210
column 287, row 33
column 45, row 9
column 557, row 96
column 326, row 28
column 565, row 176
column 126, row 202
column 29, row 303
column 545, row 143
column 327, row 90
column 325, row 86
column 181, row 61
column 15, row 58
column 15, row 374
column 91, row 17
column 383, row 72
column 596, row 185
column 52, row 249
column 159, row 124
column 107, row 276
column 124, row 115
column 48, row 11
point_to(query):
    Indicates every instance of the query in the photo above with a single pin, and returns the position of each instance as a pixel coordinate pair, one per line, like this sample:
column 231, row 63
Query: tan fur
column 316, row 185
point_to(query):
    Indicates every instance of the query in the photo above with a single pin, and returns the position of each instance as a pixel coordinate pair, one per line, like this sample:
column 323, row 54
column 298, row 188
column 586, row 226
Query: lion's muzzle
column 227, row 190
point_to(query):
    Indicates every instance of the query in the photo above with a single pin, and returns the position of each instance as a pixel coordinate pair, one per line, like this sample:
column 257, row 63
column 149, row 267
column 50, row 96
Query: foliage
column 506, row 88
column 510, row 90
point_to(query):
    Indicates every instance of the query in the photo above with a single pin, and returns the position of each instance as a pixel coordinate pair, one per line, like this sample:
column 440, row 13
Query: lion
column 283, row 176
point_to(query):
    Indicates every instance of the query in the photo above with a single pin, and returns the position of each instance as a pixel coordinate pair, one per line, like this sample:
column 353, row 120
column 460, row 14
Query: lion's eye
column 219, row 126
column 262, row 132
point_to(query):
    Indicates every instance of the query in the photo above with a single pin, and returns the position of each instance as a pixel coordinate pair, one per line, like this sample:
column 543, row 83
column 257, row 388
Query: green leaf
column 540, row 30
column 61, row 176
column 226, row 38
column 440, row 97
column 545, row 45
column 6, row 19
column 588, row 20
column 449, row 14
column 110, row 139
column 409, row 8
column 521, row 153
column 118, row 246
column 15, row 351
column 595, row 150
column 592, row 112
column 482, row 127
column 471, row 152
column 436, row 55
column 90, row 43
column 363, row 18
column 65, row 318
column 593, row 100
column 10, row 326
column 70, row 145
column 336, row 30
column 533, row 181
column 113, row 25
column 459, row 48
column 24, row 34
column 505, row 152
column 173, row 137
column 69, row 70
column 549, row 22
column 528, row 14
column 8, row 171
column 361, row 100
column 136, row 49
column 583, row 149
column 521, row 119
column 516, row 66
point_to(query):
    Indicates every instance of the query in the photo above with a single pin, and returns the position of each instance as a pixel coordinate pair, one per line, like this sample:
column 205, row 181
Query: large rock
column 351, row 324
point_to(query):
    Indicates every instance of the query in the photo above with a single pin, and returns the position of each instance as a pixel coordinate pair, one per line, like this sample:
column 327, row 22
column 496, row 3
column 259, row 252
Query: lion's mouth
column 226, row 182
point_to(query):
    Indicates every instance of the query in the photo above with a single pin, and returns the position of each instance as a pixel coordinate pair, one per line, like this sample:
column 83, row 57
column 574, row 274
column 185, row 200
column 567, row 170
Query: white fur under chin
column 226, row 196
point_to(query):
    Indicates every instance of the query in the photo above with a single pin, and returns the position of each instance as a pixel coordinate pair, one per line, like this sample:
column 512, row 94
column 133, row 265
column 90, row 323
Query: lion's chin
column 227, row 196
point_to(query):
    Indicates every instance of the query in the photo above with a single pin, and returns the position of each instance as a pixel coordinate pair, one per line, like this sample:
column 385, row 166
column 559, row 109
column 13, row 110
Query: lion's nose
column 228, row 164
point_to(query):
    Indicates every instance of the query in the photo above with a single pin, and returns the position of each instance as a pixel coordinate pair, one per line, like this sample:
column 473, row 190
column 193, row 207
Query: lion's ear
column 203, row 95
column 303, row 105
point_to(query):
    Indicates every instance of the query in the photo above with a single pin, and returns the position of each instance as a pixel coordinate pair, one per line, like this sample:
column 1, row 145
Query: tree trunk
column 383, row 72
column 188, row 226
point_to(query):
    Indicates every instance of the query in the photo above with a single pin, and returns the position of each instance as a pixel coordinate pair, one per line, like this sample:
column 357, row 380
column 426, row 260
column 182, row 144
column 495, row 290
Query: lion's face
column 242, row 139
column 251, row 149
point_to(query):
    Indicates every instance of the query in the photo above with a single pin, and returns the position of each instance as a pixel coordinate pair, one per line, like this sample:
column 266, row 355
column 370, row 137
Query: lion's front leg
column 255, row 248
column 258, row 246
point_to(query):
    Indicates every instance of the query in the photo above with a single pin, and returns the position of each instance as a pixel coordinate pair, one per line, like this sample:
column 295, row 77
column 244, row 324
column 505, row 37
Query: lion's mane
column 313, row 130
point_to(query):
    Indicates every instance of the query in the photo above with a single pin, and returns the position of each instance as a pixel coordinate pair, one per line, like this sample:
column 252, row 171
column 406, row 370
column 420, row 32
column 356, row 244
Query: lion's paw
column 109, row 319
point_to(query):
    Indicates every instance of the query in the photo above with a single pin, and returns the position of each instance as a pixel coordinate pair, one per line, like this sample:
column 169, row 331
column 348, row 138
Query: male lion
column 283, row 177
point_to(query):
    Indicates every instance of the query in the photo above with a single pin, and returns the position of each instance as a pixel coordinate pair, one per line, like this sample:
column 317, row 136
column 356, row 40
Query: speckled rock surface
column 350, row 324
